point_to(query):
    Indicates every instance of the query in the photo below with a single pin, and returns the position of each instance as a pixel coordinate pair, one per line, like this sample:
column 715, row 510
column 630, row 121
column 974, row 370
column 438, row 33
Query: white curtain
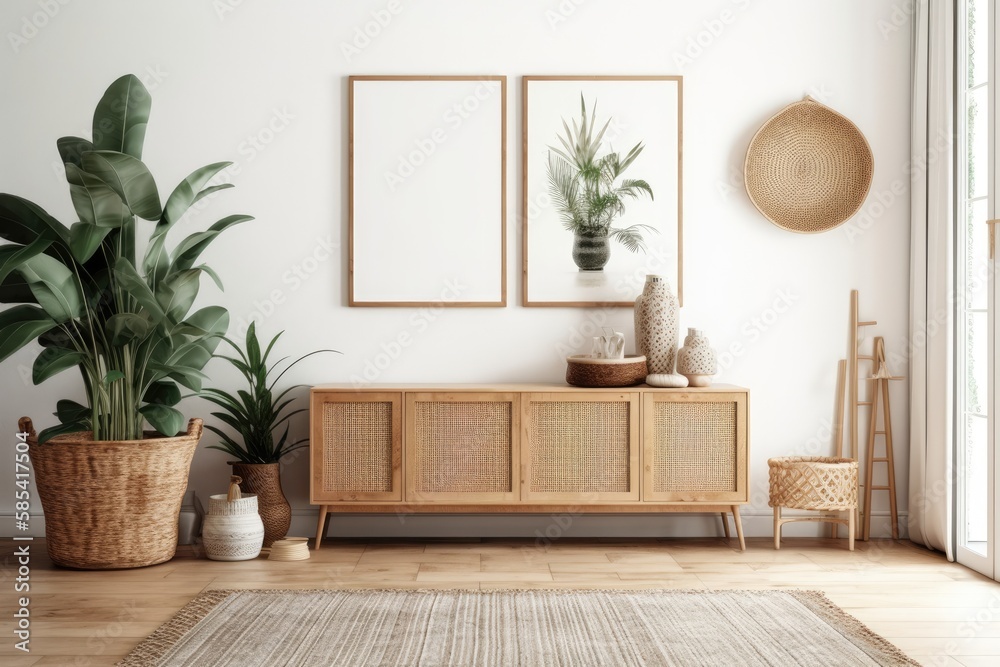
column 932, row 283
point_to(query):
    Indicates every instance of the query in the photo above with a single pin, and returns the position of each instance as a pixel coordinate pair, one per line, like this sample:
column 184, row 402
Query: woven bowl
column 582, row 370
column 808, row 168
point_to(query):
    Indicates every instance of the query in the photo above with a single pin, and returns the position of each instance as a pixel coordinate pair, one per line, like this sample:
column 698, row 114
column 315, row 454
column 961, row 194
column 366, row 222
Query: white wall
column 230, row 73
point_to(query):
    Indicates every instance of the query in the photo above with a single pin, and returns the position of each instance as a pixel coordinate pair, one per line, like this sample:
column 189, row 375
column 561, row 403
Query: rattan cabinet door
column 580, row 447
column 356, row 446
column 695, row 447
column 461, row 447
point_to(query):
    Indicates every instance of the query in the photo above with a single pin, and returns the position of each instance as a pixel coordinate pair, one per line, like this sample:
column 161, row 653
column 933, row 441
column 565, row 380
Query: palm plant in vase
column 586, row 189
column 260, row 418
column 108, row 296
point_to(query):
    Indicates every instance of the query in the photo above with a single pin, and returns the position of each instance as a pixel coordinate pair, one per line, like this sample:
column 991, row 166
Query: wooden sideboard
column 528, row 449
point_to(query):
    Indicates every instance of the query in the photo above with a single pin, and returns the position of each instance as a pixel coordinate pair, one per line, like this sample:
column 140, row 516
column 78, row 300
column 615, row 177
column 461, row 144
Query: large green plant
column 585, row 185
column 91, row 302
column 256, row 413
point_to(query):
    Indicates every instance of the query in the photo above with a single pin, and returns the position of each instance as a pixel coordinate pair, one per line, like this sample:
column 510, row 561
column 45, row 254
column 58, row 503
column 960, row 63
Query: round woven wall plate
column 808, row 169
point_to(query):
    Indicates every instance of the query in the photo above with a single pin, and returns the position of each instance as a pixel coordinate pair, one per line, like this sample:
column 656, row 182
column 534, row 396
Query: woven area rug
column 529, row 628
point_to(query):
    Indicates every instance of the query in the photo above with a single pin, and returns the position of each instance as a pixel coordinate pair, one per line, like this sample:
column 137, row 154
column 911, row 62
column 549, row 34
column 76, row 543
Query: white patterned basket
column 233, row 529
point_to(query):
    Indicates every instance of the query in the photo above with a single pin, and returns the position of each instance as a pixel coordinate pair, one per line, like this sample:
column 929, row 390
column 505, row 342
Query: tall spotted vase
column 656, row 332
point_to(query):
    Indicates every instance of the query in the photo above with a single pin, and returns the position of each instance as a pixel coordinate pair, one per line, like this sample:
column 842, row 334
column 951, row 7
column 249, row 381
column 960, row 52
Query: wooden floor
column 938, row 612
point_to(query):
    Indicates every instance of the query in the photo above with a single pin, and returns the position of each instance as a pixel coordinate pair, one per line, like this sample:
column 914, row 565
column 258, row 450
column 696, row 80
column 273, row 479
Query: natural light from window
column 975, row 91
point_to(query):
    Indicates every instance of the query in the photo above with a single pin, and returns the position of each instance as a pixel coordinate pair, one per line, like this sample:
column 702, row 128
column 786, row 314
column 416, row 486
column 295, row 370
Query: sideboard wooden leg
column 739, row 527
column 850, row 528
column 777, row 527
column 725, row 523
column 321, row 529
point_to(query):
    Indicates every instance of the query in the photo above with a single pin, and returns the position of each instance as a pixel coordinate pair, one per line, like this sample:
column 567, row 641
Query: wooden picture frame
column 645, row 109
column 427, row 191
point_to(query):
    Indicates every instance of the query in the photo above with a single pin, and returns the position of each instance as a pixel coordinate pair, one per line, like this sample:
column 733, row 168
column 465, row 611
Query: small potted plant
column 586, row 189
column 111, row 491
column 260, row 419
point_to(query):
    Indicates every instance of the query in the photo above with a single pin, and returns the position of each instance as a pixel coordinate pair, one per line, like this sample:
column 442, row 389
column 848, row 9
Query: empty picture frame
column 646, row 109
column 427, row 197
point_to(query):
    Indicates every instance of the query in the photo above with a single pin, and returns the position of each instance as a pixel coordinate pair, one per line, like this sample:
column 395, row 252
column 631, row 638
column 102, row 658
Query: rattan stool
column 818, row 483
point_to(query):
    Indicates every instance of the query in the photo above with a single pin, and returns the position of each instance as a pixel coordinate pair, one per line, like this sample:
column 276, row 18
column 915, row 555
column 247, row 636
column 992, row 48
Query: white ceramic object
column 614, row 345
column 696, row 360
column 699, row 380
column 670, row 380
column 609, row 346
column 232, row 529
column 656, row 325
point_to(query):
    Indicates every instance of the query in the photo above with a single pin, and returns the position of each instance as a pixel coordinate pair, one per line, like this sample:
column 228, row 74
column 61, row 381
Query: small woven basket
column 813, row 483
column 233, row 529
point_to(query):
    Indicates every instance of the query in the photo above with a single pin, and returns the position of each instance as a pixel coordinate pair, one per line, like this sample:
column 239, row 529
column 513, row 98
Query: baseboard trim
column 756, row 523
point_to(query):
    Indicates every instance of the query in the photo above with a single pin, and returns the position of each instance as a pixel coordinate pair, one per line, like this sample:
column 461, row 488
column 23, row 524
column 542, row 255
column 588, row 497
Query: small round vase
column 591, row 250
column 696, row 360
column 656, row 326
column 264, row 480
column 232, row 529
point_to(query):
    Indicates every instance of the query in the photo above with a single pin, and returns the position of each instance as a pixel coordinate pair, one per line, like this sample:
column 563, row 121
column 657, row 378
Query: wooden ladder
column 880, row 389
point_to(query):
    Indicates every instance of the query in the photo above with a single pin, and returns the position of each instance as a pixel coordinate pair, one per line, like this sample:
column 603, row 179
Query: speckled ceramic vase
column 591, row 251
column 696, row 360
column 656, row 325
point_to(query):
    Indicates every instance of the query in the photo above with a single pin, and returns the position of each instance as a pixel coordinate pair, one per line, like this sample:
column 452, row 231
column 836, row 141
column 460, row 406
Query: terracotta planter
column 264, row 480
column 111, row 504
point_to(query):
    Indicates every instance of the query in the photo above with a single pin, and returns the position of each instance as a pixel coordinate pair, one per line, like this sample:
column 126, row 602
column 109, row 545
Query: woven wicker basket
column 814, row 483
column 111, row 504
column 808, row 168
column 584, row 371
